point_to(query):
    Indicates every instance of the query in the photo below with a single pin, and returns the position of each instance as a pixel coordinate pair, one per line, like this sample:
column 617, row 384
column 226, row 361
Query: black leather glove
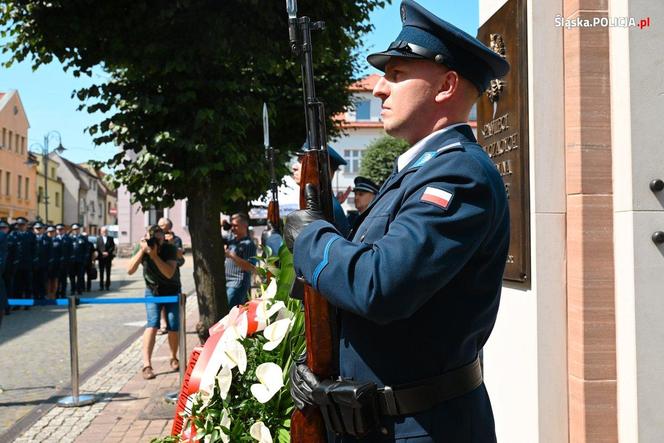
column 296, row 221
column 303, row 382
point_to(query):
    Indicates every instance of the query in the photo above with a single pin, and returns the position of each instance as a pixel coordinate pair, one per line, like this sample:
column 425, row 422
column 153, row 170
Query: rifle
column 272, row 207
column 307, row 426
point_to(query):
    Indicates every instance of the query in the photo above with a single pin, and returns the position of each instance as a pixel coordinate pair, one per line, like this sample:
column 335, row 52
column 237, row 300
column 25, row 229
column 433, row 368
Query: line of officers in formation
column 39, row 259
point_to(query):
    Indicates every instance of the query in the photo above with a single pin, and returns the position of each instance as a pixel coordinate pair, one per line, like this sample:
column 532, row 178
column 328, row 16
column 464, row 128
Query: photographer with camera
column 162, row 277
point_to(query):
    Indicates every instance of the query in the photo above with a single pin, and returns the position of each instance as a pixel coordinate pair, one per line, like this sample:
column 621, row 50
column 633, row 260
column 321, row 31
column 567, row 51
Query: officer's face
column 362, row 200
column 61, row 231
column 409, row 92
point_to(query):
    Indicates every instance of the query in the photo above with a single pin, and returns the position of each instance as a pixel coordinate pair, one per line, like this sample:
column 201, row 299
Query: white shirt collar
column 411, row 153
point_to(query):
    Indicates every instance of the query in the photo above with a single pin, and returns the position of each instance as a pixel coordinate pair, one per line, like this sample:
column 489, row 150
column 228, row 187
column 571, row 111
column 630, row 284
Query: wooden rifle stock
column 319, row 321
column 320, row 324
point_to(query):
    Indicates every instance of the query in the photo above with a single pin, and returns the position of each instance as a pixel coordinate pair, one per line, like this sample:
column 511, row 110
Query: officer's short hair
column 244, row 218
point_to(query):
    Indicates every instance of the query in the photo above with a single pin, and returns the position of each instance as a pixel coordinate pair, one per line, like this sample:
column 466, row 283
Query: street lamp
column 45, row 153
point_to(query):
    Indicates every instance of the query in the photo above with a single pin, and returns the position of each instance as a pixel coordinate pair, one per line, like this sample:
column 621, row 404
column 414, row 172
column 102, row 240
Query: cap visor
column 380, row 59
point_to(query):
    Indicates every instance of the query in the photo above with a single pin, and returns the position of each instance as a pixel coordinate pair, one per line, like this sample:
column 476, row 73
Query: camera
column 152, row 241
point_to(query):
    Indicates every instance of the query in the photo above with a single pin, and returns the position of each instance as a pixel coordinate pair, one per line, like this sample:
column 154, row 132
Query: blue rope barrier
column 94, row 301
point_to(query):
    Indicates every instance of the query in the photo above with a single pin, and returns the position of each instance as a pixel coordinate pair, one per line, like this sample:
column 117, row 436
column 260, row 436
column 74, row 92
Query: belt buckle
column 390, row 401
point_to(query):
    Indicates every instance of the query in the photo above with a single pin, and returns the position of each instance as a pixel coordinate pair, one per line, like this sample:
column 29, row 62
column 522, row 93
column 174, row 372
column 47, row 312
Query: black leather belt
column 411, row 398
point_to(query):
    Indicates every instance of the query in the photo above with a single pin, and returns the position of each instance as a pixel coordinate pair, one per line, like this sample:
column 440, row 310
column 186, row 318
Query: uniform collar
column 408, row 156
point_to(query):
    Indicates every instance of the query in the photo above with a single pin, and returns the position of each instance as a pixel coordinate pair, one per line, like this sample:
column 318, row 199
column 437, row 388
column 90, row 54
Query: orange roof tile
column 365, row 84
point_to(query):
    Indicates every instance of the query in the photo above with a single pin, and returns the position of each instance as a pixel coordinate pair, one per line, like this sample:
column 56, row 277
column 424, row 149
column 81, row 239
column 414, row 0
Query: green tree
column 378, row 159
column 186, row 83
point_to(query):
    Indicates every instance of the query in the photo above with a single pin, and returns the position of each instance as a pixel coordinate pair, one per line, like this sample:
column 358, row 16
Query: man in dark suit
column 105, row 254
column 417, row 283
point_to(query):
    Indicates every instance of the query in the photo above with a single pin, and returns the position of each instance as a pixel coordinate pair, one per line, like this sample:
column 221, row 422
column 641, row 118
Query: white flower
column 271, row 290
column 271, row 379
column 234, row 355
column 224, row 380
column 267, row 309
column 226, row 423
column 275, row 333
column 260, row 432
column 236, row 329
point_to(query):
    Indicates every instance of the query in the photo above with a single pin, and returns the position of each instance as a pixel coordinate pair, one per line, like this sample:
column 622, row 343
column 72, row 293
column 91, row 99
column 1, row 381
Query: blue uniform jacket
column 417, row 288
column 43, row 251
column 4, row 252
column 25, row 248
column 80, row 249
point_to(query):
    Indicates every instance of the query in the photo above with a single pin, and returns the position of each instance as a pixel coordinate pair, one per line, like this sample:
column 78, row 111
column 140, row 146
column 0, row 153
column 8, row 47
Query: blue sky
column 46, row 93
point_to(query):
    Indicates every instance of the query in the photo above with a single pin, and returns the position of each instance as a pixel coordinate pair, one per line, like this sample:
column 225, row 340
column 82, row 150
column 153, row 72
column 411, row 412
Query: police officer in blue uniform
column 418, row 284
column 78, row 259
column 8, row 274
column 43, row 246
column 4, row 229
column 25, row 245
column 61, row 258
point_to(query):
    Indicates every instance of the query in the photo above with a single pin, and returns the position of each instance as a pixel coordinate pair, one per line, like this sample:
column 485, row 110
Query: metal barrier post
column 182, row 306
column 75, row 399
column 172, row 397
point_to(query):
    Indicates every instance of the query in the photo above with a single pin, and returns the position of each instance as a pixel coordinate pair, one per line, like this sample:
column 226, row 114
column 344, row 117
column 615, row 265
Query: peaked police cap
column 425, row 36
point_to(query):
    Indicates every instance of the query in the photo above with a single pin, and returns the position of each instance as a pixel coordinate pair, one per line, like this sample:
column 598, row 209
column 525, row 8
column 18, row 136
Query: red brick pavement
column 126, row 418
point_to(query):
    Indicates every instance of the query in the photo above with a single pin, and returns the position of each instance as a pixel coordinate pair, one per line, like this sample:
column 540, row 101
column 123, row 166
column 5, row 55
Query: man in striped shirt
column 240, row 261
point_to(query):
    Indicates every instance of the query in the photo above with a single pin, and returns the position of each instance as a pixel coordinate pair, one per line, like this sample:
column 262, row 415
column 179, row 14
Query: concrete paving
column 34, row 345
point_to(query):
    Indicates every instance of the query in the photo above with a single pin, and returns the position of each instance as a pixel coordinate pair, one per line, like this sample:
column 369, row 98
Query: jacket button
column 363, row 235
column 383, row 430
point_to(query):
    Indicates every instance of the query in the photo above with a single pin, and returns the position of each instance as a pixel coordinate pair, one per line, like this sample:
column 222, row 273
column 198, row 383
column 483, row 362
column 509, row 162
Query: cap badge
column 403, row 13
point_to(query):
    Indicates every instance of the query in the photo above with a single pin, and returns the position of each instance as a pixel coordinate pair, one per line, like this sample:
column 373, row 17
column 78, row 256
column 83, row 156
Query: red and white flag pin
column 438, row 197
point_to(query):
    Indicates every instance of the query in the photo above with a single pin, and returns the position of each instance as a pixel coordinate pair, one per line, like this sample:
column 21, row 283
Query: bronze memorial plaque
column 502, row 127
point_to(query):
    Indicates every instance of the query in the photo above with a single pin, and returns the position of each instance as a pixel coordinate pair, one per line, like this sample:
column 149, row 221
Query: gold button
column 383, row 430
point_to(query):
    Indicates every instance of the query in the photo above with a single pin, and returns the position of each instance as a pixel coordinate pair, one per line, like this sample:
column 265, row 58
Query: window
column 109, row 207
column 40, row 195
column 92, row 207
column 19, row 194
column 57, row 199
column 363, row 110
column 53, row 173
column 22, row 144
column 354, row 159
column 154, row 215
column 11, row 136
column 27, row 188
column 4, row 138
column 101, row 211
column 17, row 144
column 8, row 177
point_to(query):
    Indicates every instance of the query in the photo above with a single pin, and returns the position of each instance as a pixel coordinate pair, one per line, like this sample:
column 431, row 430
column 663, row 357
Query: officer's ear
column 448, row 86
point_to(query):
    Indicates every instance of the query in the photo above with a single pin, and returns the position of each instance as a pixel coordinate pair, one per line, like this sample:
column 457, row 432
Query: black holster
column 348, row 407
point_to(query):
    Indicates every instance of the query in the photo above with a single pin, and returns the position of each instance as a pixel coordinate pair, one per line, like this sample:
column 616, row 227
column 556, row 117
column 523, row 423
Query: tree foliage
column 378, row 159
column 187, row 82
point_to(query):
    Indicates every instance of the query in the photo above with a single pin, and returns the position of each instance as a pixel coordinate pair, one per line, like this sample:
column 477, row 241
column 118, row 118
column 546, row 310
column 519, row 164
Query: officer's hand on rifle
column 303, row 383
column 296, row 221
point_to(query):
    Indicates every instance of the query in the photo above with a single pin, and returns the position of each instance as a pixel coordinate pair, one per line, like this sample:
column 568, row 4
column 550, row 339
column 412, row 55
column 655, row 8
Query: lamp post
column 45, row 153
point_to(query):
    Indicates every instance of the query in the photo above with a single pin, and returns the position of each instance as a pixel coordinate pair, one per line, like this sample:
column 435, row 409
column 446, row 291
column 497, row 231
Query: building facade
column 18, row 174
column 84, row 196
column 50, row 191
column 574, row 355
column 361, row 125
column 133, row 219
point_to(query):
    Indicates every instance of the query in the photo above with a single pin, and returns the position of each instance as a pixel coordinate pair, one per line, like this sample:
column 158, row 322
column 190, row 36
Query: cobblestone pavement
column 34, row 346
column 130, row 409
